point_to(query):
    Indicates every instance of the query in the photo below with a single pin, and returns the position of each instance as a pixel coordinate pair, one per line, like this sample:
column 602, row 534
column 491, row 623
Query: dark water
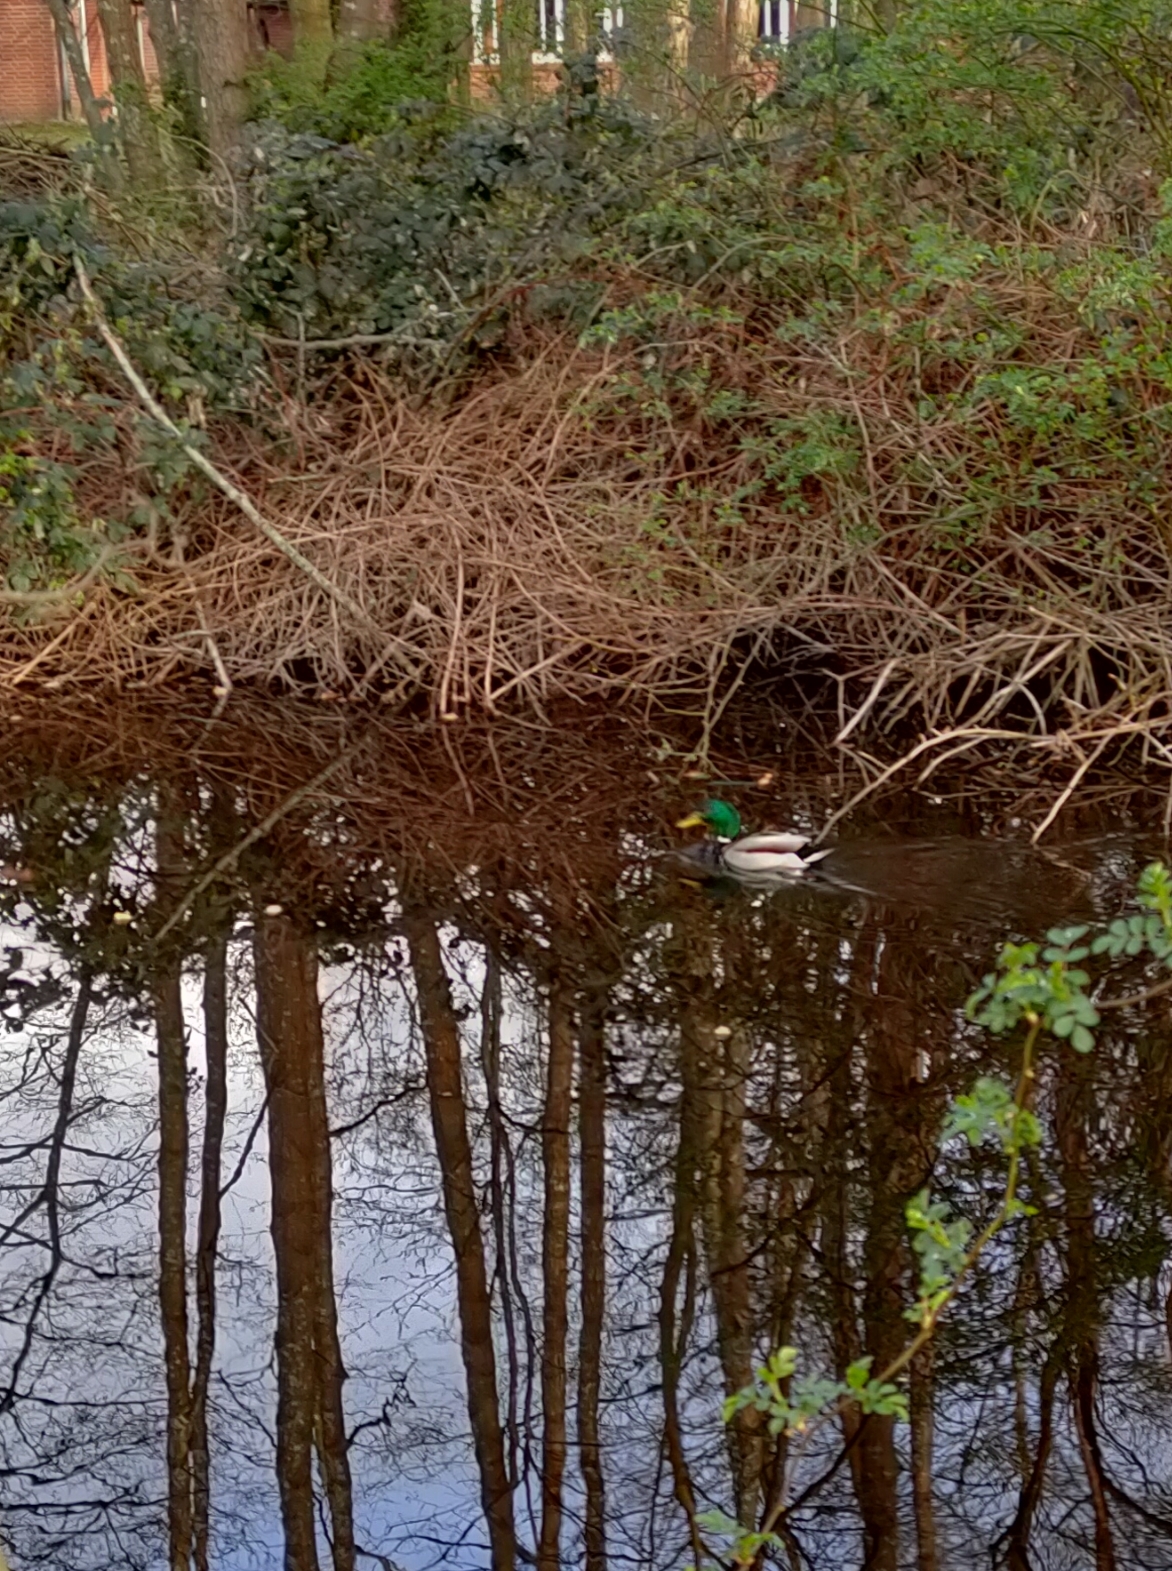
column 402, row 1159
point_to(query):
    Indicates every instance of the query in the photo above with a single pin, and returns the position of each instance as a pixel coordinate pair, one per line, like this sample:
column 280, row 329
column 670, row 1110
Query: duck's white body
column 772, row 851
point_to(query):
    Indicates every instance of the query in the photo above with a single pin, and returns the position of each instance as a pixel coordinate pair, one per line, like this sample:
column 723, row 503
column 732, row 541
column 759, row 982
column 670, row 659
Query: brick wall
column 99, row 72
column 30, row 82
column 30, row 69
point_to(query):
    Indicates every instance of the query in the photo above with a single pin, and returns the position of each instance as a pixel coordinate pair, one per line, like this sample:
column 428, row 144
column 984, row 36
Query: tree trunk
column 499, row 1157
column 1082, row 1313
column 798, row 1165
column 329, row 1369
column 675, row 1320
column 725, row 1063
column 215, row 1019
column 923, row 1426
column 445, row 1086
column 807, row 14
column 178, row 71
column 838, row 1149
column 679, row 36
column 834, row 1231
column 309, row 1365
column 222, row 48
column 71, row 45
column 313, row 34
column 555, row 1149
column 740, row 35
column 901, row 1137
column 137, row 132
column 311, row 21
column 164, row 35
column 517, row 39
column 1017, row 1557
column 592, row 1180
column 172, row 1048
column 577, row 20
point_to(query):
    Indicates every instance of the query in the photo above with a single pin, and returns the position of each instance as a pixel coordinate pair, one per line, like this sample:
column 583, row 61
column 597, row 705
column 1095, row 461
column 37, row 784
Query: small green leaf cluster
column 941, row 1243
column 744, row 1544
column 1148, row 932
column 989, row 1109
column 1044, row 982
column 1048, row 983
column 790, row 1405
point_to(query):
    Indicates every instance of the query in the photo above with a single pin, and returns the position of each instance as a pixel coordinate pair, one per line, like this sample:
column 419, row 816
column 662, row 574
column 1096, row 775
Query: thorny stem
column 1157, row 990
column 743, row 1559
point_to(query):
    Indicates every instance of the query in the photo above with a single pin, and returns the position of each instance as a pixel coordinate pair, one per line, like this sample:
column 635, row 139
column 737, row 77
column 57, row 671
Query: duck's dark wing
column 704, row 856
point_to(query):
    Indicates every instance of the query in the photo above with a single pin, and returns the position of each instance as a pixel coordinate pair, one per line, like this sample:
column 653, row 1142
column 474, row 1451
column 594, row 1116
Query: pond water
column 404, row 1155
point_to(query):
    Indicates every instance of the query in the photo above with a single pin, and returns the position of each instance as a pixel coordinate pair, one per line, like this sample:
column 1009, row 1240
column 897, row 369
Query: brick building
column 35, row 80
column 35, row 83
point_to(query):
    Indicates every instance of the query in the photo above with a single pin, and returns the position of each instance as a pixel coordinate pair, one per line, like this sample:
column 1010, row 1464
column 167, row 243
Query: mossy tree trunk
column 137, row 131
column 516, row 23
column 174, row 47
column 312, row 22
column 313, row 35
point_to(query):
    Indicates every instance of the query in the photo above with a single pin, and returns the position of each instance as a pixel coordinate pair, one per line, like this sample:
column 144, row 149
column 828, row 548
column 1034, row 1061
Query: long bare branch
column 220, row 480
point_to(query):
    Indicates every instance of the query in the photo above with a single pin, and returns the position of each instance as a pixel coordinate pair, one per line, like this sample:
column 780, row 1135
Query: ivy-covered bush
column 427, row 229
column 63, row 408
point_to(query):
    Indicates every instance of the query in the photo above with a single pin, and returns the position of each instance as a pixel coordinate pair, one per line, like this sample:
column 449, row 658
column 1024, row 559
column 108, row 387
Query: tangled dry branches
column 561, row 530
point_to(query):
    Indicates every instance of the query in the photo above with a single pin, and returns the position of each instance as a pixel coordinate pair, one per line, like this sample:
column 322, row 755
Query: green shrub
column 364, row 95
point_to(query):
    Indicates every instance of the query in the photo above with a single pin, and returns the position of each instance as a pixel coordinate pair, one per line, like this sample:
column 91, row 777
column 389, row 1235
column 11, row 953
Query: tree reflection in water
column 413, row 1191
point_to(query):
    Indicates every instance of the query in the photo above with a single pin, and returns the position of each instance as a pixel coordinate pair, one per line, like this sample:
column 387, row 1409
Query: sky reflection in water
column 734, row 1090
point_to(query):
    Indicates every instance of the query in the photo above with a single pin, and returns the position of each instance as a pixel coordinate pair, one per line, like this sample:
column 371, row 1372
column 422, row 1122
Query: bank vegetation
column 625, row 394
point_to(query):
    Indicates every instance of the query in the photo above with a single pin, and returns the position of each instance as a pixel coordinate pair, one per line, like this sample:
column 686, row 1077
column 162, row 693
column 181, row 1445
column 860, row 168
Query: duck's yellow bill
column 693, row 821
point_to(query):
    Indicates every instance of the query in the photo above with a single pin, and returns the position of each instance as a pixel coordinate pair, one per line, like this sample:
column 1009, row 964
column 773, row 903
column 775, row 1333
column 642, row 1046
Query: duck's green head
column 719, row 818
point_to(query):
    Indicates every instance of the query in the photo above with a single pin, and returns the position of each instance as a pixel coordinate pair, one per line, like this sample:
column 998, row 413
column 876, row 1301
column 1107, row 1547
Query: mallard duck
column 770, row 852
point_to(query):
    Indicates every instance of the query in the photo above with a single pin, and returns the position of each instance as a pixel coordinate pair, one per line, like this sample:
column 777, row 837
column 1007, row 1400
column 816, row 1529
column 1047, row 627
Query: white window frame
column 551, row 30
column 774, row 26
